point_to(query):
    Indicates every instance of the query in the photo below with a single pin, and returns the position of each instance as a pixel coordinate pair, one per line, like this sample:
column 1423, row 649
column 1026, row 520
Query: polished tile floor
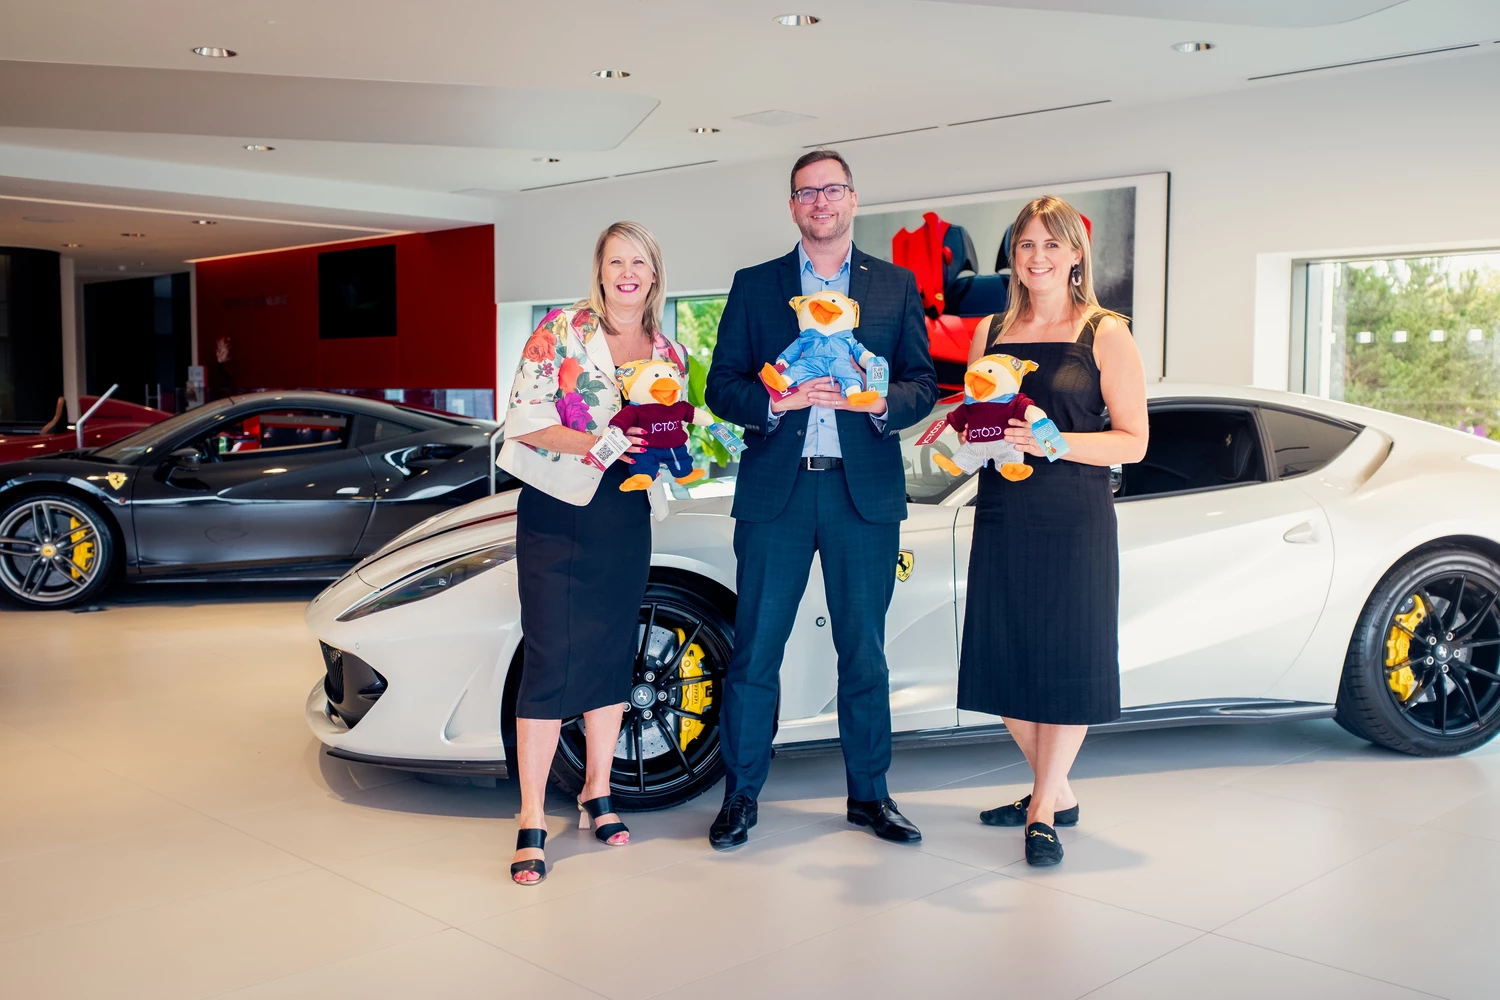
column 169, row 829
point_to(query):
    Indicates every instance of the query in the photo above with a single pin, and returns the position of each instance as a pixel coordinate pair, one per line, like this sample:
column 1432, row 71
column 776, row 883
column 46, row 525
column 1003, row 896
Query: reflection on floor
column 168, row 828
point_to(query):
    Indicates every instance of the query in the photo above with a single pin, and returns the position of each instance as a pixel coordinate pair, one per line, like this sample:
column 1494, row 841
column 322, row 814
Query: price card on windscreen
column 610, row 447
column 933, row 432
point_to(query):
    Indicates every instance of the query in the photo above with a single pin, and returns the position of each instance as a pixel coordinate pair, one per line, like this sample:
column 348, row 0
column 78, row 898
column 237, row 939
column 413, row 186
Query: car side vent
column 351, row 685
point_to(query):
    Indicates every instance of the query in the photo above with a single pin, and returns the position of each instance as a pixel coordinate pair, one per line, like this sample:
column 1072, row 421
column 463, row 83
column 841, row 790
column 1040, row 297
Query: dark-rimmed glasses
column 833, row 192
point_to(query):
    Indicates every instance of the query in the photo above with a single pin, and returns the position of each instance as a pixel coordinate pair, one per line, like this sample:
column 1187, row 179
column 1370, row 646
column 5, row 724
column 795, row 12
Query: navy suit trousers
column 859, row 577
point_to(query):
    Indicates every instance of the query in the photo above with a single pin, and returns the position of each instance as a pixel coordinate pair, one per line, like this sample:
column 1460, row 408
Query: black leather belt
column 821, row 464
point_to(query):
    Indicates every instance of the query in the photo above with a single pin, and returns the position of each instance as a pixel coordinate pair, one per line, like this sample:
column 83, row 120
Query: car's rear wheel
column 668, row 751
column 1423, row 670
column 55, row 550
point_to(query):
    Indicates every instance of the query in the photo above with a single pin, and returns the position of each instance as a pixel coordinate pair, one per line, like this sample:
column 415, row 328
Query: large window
column 1418, row 336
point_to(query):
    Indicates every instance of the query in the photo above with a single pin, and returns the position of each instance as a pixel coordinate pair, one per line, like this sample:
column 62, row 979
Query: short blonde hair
column 639, row 237
column 1062, row 222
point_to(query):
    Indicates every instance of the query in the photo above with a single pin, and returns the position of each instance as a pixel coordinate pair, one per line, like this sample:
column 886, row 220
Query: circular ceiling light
column 204, row 222
column 611, row 74
column 44, row 218
column 72, row 246
column 705, row 130
column 214, row 52
column 134, row 236
column 545, row 159
column 797, row 20
column 1192, row 46
column 256, row 147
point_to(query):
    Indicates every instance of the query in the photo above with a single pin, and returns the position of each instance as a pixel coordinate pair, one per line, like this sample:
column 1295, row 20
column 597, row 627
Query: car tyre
column 1449, row 702
column 56, row 550
column 682, row 654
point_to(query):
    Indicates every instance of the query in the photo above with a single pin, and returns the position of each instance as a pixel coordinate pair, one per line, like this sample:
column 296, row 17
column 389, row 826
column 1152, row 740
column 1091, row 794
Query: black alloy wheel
column 1423, row 671
column 55, row 550
column 668, row 751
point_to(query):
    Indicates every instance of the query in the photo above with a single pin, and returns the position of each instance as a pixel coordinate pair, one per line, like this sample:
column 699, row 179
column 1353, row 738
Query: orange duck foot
column 639, row 481
column 863, row 398
column 1015, row 471
column 773, row 378
column 947, row 465
column 692, row 477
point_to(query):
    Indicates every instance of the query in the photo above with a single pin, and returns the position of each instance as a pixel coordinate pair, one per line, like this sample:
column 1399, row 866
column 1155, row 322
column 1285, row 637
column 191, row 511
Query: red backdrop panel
column 267, row 306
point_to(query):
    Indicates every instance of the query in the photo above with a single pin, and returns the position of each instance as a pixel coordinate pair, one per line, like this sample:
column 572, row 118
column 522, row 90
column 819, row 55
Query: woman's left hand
column 1019, row 434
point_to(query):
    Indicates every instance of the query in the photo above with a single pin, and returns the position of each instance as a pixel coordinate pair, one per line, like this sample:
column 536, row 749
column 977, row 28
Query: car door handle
column 1302, row 534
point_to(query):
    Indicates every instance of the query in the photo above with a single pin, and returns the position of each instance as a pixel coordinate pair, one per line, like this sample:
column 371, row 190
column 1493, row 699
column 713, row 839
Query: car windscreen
column 157, row 436
column 925, row 482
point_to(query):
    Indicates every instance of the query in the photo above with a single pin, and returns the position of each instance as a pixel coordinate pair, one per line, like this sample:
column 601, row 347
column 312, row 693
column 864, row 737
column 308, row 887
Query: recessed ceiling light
column 214, row 52
column 204, row 222
column 611, row 74
column 797, row 20
column 72, row 246
column 545, row 159
column 1192, row 46
column 134, row 236
column 256, row 147
column 705, row 130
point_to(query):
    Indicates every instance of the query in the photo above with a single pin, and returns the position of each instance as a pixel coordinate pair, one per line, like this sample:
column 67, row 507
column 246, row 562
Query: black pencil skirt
column 582, row 577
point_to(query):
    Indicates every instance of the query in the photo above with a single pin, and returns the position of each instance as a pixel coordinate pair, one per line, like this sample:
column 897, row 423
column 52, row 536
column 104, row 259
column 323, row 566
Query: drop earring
column 1077, row 276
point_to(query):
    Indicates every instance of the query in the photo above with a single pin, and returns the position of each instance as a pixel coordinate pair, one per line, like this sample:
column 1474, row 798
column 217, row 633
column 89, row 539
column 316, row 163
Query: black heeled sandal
column 592, row 810
column 530, row 837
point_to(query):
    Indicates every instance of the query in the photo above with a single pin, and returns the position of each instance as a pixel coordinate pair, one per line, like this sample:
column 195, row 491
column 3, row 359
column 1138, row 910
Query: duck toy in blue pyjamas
column 826, row 346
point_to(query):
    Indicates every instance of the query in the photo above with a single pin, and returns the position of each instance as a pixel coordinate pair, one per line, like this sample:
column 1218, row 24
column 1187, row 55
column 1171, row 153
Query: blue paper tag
column 1050, row 438
column 878, row 375
column 732, row 442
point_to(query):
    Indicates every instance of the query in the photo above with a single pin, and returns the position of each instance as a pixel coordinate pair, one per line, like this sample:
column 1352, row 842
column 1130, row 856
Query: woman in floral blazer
column 583, row 548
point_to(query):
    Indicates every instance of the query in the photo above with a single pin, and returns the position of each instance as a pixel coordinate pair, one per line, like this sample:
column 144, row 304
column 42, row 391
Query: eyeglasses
column 833, row 192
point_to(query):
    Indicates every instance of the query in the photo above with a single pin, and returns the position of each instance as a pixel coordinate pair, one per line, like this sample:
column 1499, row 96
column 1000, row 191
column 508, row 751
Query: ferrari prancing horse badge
column 905, row 560
column 116, row 479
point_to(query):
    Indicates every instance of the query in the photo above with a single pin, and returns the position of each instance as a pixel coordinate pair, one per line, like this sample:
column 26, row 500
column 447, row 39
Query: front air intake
column 351, row 685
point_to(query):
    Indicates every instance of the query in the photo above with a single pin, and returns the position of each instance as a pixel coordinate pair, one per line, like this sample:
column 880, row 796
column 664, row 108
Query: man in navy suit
column 819, row 475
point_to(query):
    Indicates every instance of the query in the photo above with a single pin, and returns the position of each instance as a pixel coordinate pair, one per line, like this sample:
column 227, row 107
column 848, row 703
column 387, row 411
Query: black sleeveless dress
column 1042, row 620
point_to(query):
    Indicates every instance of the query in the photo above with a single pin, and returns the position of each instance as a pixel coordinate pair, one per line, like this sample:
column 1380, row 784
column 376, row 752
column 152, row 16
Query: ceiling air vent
column 563, row 184
column 1366, row 62
column 657, row 170
column 862, row 138
column 774, row 119
column 1023, row 114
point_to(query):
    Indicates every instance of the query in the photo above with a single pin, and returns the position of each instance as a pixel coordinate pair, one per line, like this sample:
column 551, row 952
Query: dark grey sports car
column 266, row 486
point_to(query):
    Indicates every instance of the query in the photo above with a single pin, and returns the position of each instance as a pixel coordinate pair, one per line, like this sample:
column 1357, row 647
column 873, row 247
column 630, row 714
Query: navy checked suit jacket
column 759, row 323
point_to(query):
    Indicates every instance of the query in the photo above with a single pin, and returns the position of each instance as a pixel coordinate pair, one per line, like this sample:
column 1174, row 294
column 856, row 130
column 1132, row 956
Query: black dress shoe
column 885, row 820
column 1015, row 815
column 1043, row 849
column 731, row 827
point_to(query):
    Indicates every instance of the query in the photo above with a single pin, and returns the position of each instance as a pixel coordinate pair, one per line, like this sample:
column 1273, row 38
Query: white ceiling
column 312, row 77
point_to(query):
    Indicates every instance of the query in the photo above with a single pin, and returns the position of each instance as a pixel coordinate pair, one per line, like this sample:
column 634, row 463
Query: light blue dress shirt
column 822, row 425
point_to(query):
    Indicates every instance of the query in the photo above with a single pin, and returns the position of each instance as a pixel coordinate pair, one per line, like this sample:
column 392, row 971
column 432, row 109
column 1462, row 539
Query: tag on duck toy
column 731, row 441
column 878, row 375
column 611, row 446
column 1050, row 438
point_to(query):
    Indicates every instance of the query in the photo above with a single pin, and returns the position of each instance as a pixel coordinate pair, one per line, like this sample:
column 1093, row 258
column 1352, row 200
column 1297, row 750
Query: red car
column 112, row 421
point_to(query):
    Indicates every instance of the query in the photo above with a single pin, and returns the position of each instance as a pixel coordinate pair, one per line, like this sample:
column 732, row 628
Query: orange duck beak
column 824, row 312
column 979, row 386
column 664, row 391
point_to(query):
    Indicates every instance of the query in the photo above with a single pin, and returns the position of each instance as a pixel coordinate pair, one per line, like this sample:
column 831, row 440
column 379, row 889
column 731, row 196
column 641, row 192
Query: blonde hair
column 639, row 237
column 1062, row 222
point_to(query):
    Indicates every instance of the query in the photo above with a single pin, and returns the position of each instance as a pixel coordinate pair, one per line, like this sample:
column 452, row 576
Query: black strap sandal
column 592, row 810
column 1015, row 815
column 530, row 837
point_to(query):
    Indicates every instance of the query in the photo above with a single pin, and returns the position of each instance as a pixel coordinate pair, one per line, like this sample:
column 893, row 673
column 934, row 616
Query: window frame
column 1252, row 409
column 1269, row 445
column 203, row 434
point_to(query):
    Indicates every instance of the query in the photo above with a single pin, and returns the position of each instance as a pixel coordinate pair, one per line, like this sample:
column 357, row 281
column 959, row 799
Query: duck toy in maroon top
column 653, row 392
column 992, row 398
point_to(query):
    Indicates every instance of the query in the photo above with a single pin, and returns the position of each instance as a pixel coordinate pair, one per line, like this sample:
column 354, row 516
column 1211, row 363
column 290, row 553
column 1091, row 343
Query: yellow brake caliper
column 1398, row 648
column 83, row 552
column 695, row 698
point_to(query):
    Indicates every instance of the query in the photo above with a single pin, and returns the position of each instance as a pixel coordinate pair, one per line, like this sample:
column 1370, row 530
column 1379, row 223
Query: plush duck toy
column 992, row 397
column 654, row 391
column 826, row 346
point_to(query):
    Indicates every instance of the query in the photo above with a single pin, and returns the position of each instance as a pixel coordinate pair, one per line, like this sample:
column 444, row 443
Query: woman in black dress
column 1041, row 629
column 583, row 547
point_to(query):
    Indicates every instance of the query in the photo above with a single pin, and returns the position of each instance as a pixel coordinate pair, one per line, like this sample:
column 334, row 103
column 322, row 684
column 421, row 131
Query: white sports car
column 1281, row 557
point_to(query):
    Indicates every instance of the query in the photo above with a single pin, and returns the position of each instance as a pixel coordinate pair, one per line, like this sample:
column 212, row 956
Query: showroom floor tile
column 169, row 829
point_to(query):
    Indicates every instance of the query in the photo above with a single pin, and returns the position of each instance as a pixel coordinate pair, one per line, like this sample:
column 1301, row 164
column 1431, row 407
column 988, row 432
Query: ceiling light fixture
column 545, row 159
column 256, row 147
column 72, row 246
column 1192, row 46
column 611, row 74
column 134, row 236
column 705, row 130
column 797, row 20
column 204, row 222
column 214, row 52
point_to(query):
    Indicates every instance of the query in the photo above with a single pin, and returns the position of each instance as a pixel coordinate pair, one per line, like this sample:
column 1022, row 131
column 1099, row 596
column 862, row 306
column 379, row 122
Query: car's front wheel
column 1422, row 674
column 668, row 751
column 55, row 550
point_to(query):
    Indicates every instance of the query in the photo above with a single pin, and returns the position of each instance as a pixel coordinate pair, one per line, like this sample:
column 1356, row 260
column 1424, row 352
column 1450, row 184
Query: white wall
column 1401, row 157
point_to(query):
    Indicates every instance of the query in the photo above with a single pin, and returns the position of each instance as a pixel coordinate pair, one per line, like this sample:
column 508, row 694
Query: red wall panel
column 267, row 306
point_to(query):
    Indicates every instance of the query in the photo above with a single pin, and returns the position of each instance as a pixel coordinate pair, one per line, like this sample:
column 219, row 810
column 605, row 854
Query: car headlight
column 432, row 581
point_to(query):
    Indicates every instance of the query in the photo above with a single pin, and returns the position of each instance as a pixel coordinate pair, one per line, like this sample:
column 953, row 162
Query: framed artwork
column 954, row 245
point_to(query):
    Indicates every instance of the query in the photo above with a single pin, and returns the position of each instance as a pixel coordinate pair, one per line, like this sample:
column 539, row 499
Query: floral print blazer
column 566, row 378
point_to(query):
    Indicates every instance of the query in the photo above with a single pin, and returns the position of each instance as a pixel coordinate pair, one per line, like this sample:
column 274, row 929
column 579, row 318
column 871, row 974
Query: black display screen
column 357, row 293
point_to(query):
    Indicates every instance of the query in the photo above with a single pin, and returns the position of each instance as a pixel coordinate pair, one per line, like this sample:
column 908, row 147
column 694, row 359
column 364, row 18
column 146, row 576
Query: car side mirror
column 186, row 458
